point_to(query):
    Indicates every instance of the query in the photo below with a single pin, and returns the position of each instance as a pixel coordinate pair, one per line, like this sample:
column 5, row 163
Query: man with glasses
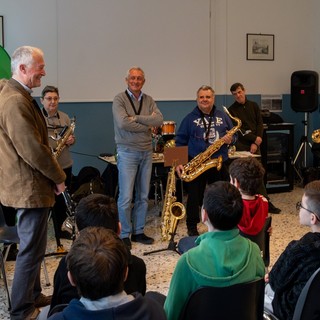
column 57, row 123
column 251, row 131
column 134, row 114
column 30, row 176
column 299, row 260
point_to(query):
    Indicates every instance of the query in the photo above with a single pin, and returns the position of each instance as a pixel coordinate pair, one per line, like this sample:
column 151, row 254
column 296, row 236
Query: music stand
column 304, row 143
column 172, row 156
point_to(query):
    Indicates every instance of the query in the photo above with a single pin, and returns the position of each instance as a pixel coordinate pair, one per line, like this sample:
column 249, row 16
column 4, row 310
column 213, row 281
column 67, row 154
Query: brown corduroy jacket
column 28, row 171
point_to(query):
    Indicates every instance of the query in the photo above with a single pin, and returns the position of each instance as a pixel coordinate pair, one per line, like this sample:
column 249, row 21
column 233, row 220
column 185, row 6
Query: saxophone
column 62, row 142
column 316, row 136
column 202, row 162
column 172, row 211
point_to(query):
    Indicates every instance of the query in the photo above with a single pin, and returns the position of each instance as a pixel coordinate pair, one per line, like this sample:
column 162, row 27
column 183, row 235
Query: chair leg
column 3, row 271
column 45, row 271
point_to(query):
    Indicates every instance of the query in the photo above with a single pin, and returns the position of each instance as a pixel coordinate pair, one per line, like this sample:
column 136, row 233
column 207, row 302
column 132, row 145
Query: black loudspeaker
column 304, row 91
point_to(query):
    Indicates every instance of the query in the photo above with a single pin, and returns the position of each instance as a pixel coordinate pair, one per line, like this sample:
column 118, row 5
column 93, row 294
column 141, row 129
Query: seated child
column 221, row 257
column 247, row 174
column 97, row 267
column 299, row 260
column 97, row 210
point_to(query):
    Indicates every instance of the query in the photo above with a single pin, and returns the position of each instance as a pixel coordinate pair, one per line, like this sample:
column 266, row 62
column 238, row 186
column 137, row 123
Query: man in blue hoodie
column 202, row 127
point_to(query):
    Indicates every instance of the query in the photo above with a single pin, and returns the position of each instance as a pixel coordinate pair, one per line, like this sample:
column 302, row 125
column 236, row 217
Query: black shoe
column 273, row 209
column 42, row 301
column 142, row 238
column 127, row 242
column 192, row 231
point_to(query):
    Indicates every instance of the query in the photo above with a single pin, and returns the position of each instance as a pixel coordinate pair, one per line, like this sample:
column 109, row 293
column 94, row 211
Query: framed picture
column 1, row 32
column 260, row 46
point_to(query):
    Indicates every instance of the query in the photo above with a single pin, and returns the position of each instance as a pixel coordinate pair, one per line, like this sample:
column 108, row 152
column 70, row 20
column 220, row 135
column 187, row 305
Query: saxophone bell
column 316, row 136
column 203, row 161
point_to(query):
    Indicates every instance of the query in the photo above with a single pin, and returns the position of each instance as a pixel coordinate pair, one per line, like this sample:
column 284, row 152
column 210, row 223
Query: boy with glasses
column 299, row 260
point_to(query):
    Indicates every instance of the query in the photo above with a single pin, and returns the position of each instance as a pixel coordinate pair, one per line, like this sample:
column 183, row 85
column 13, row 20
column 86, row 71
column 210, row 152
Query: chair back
column 308, row 305
column 239, row 301
column 262, row 239
column 2, row 219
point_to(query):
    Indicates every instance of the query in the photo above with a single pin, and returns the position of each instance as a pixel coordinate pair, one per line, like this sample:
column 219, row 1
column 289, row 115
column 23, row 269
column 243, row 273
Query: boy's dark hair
column 98, row 263
column 47, row 89
column 235, row 86
column 249, row 172
column 312, row 193
column 223, row 204
column 97, row 210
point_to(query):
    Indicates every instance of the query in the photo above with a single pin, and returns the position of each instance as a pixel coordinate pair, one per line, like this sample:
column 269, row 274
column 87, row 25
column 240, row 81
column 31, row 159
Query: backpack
column 88, row 181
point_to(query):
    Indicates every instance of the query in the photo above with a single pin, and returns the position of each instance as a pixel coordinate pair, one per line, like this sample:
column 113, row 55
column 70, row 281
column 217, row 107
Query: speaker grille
column 304, row 91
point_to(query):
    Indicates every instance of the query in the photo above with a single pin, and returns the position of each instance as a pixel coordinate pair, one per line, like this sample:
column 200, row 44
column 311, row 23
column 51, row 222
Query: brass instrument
column 172, row 210
column 203, row 161
column 316, row 136
column 69, row 223
column 62, row 142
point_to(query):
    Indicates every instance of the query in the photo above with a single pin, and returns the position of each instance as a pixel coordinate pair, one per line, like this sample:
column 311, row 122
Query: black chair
column 240, row 301
column 262, row 239
column 8, row 236
column 308, row 306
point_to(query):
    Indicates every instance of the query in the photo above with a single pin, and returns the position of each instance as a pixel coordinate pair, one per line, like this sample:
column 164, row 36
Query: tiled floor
column 161, row 265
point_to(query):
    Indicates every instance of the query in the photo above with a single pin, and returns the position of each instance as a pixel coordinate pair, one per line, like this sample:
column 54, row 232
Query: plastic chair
column 262, row 239
column 9, row 236
column 308, row 306
column 239, row 301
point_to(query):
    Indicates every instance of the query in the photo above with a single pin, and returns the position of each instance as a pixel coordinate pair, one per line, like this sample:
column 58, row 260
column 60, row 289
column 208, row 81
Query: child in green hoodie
column 221, row 257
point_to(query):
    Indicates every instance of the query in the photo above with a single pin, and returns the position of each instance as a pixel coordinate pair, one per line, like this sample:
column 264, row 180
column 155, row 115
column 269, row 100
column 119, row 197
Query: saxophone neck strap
column 203, row 118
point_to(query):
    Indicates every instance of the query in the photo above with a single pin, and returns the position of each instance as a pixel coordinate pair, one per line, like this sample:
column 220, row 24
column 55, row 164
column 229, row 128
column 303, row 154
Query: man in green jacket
column 29, row 176
column 222, row 257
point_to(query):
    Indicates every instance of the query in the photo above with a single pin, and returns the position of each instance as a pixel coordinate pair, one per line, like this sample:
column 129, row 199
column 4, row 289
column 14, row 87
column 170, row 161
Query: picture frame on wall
column 1, row 32
column 260, row 46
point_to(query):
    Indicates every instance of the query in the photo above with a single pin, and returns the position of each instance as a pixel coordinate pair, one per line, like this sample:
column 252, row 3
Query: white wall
column 89, row 45
column 291, row 22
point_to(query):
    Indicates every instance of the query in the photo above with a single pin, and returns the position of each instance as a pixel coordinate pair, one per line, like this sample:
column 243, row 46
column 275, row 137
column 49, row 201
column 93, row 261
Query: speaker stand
column 304, row 143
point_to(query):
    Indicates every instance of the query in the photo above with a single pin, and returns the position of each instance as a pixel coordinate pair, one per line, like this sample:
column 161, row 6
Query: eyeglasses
column 300, row 206
column 52, row 98
column 136, row 78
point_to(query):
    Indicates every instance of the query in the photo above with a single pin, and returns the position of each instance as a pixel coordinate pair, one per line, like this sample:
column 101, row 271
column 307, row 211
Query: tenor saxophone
column 172, row 211
column 316, row 136
column 62, row 142
column 202, row 162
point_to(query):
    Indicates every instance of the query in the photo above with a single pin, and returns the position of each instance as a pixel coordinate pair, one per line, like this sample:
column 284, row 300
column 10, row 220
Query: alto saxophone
column 316, row 136
column 172, row 211
column 62, row 142
column 202, row 162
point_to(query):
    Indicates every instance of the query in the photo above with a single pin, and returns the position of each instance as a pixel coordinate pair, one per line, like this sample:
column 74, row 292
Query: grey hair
column 23, row 55
column 205, row 87
column 135, row 68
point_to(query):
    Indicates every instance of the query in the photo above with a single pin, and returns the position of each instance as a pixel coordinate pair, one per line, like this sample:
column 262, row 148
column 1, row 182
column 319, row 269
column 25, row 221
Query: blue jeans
column 134, row 176
column 186, row 243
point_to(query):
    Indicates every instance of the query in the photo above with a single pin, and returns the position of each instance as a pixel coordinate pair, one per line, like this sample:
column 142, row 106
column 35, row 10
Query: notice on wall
column 272, row 103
